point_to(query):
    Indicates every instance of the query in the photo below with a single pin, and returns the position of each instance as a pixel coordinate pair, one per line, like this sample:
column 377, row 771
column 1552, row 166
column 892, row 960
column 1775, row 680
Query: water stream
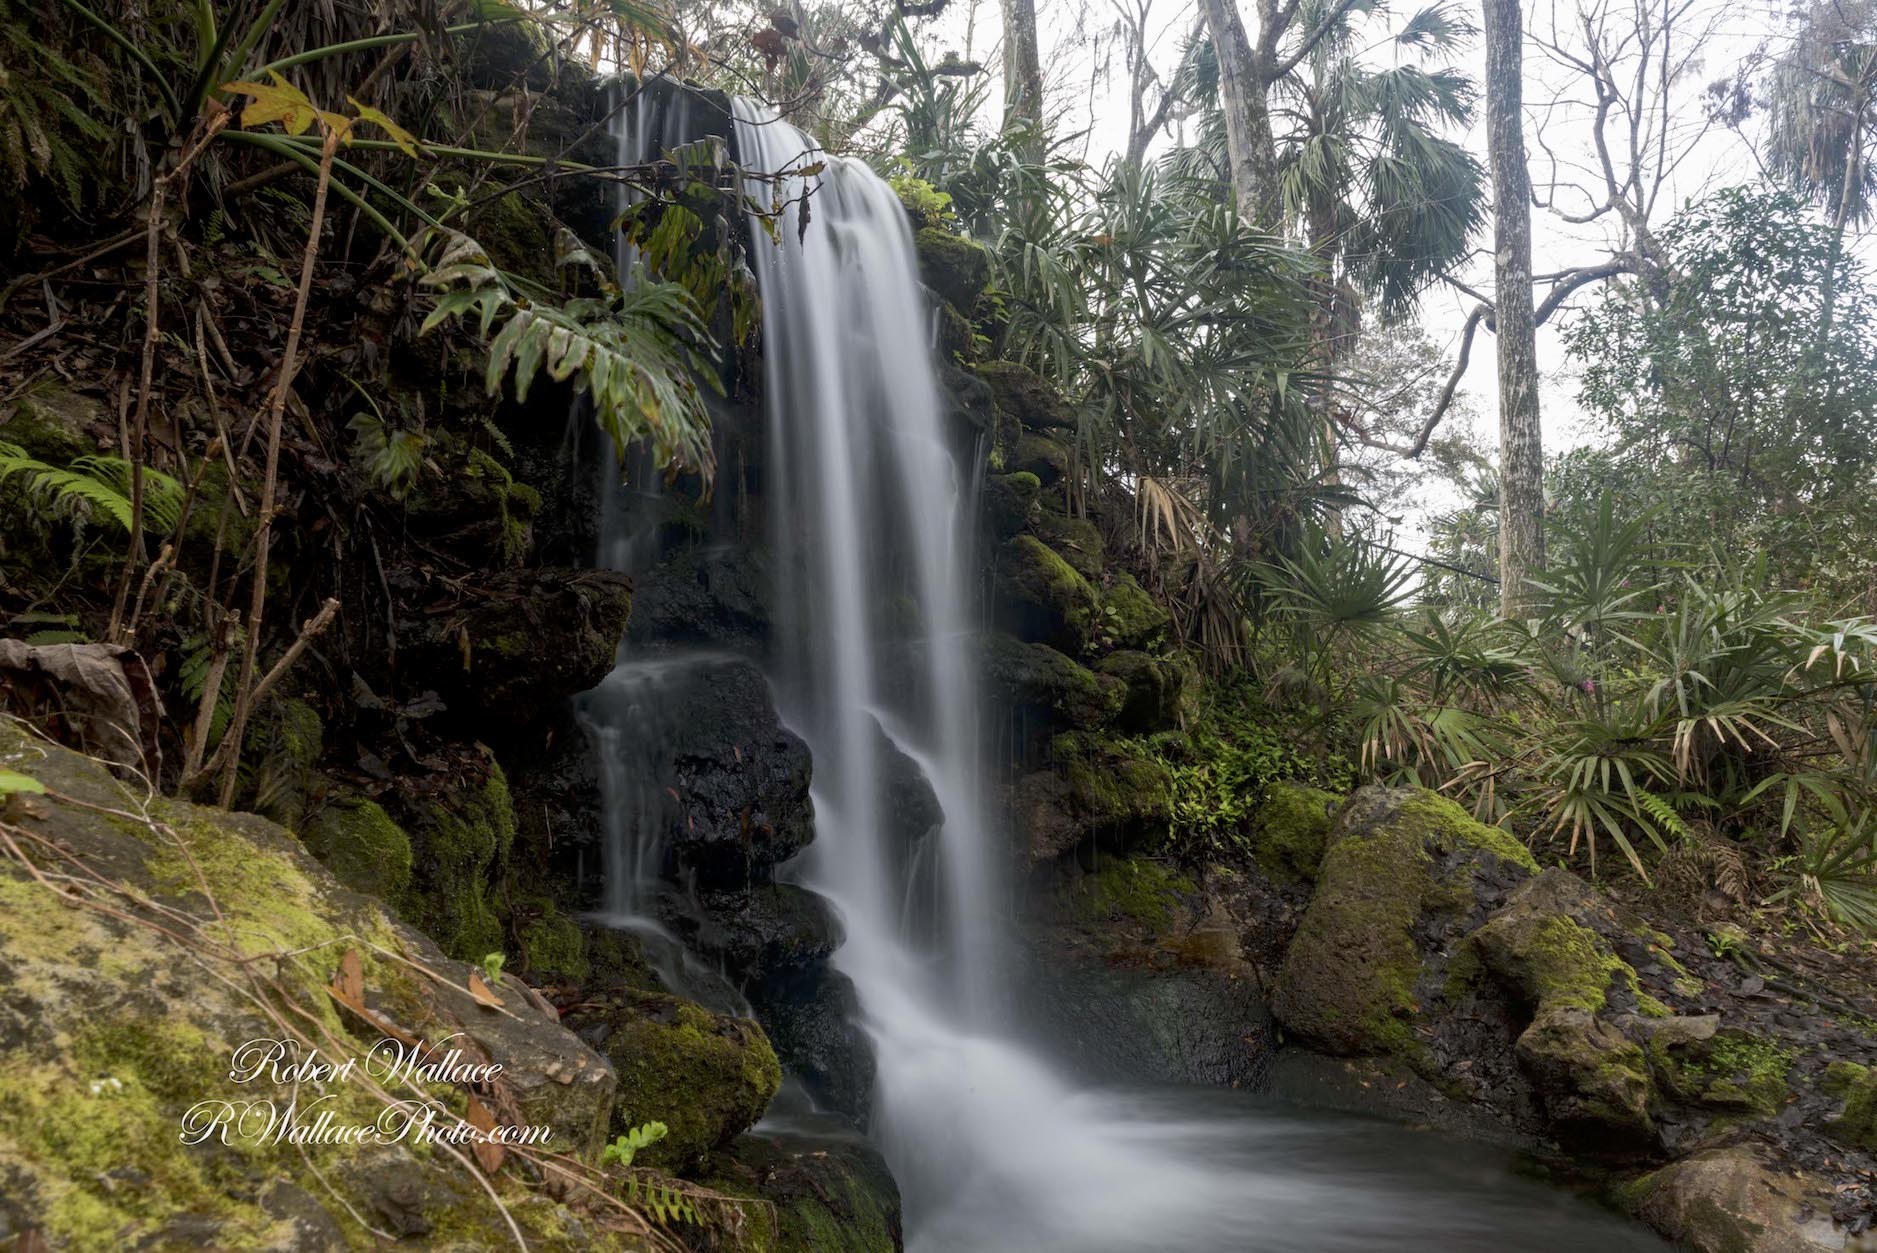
column 994, row 1151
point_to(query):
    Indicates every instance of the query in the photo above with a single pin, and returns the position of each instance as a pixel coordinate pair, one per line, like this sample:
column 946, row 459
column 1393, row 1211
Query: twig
column 269, row 484
column 308, row 629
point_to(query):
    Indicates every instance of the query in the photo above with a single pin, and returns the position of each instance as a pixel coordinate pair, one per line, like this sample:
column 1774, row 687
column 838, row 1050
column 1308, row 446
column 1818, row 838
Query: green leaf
column 12, row 782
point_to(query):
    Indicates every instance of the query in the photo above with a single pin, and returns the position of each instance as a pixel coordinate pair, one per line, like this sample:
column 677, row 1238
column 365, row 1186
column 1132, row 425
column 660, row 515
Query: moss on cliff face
column 1856, row 1086
column 459, row 846
column 1043, row 597
column 1291, row 829
column 362, row 846
column 956, row 268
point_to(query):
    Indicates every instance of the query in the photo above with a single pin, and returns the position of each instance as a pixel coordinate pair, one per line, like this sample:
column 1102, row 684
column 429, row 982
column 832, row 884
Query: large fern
column 639, row 353
column 47, row 110
column 94, row 487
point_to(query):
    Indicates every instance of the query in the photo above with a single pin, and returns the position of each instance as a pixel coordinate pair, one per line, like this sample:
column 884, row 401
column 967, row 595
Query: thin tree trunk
column 1521, row 439
column 1023, row 67
column 1248, row 140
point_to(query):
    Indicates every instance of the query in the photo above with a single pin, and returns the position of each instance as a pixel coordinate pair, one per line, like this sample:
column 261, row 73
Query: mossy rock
column 553, row 945
column 1539, row 949
column 1153, row 691
column 1732, row 1200
column 1010, row 502
column 1048, row 459
column 708, row 1077
column 124, row 1021
column 54, row 424
column 460, row 840
column 1139, row 890
column 1856, row 1123
column 1042, row 598
column 1130, row 617
column 956, row 268
column 1027, row 397
column 1092, row 791
column 358, row 841
column 1076, row 540
column 1594, row 1081
column 1046, row 689
column 1348, row 980
column 832, row 1193
column 518, row 235
column 1291, row 830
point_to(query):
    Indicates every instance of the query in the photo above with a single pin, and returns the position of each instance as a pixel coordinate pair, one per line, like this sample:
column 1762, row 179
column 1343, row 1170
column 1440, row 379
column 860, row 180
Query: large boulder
column 832, row 1191
column 1731, row 1200
column 121, row 1005
column 1130, row 617
column 1291, row 829
column 1153, row 690
column 708, row 1077
column 1028, row 398
column 1046, row 691
column 1403, row 867
column 954, row 267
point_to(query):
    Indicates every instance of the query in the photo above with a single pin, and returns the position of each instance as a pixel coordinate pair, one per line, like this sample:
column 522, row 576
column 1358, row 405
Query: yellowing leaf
column 12, row 781
column 403, row 138
column 279, row 101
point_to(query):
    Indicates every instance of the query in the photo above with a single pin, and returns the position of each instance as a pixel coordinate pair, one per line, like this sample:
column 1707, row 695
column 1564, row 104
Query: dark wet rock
column 1174, row 1023
column 507, row 655
column 1593, row 1080
column 716, row 770
column 708, row 1077
column 1041, row 598
column 716, row 596
column 910, row 808
column 1153, row 691
column 769, row 930
column 812, row 1015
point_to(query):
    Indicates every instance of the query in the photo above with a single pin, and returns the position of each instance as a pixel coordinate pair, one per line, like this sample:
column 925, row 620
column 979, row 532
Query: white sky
column 1080, row 37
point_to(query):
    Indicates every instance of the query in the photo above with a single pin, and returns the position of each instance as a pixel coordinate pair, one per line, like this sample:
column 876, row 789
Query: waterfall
column 870, row 510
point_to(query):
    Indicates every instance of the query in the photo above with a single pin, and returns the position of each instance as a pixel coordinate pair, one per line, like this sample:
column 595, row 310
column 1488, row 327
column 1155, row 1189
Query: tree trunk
column 1521, row 440
column 1248, row 141
column 1023, row 68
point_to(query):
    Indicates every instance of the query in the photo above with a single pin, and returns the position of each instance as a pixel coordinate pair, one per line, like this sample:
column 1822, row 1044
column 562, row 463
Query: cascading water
column 872, row 662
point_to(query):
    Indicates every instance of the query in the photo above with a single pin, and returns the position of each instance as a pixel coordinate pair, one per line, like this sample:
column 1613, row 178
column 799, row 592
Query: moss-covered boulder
column 956, row 268
column 1130, row 617
column 1030, row 399
column 1091, row 790
column 1153, row 690
column 1010, row 502
column 54, row 423
column 1291, row 829
column 1042, row 598
column 121, row 1006
column 1048, row 459
column 1396, row 858
column 832, row 1193
column 708, row 1077
column 1076, row 540
column 1045, row 690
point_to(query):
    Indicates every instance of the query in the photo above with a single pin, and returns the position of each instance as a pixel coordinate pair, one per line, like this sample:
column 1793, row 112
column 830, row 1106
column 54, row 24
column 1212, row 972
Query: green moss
column 51, row 423
column 1045, row 683
column 554, row 944
column 1290, row 830
column 1130, row 616
column 1571, row 965
column 359, row 843
column 706, row 1077
column 460, row 846
column 956, row 268
column 1348, row 980
column 1739, row 1070
column 1138, row 889
column 1076, row 540
column 1043, row 597
column 1856, row 1086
